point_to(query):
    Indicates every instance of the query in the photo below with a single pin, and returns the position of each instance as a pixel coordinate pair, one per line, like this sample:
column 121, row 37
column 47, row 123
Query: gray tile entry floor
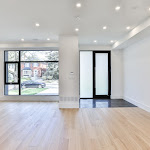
column 104, row 103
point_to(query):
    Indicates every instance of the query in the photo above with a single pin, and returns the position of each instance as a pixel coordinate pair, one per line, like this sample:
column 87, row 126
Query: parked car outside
column 32, row 84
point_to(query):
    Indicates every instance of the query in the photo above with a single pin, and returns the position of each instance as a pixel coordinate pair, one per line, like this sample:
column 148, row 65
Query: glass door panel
column 86, row 74
column 101, row 73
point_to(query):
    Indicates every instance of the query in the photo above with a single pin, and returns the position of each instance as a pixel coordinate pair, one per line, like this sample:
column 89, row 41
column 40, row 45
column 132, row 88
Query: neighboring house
column 33, row 69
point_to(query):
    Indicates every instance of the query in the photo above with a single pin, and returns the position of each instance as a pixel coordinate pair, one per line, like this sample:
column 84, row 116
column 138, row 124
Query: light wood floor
column 42, row 126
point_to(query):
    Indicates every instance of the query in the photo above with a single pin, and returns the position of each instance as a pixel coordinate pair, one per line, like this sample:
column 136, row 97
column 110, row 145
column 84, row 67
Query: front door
column 101, row 74
column 95, row 74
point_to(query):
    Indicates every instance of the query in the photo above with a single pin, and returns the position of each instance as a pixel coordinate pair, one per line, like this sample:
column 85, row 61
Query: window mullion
column 19, row 74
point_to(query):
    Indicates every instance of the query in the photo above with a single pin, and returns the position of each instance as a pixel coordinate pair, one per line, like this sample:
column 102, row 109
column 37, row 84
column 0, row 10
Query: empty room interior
column 74, row 75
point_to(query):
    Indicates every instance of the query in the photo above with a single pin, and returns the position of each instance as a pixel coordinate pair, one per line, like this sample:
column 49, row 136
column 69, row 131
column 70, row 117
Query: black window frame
column 19, row 70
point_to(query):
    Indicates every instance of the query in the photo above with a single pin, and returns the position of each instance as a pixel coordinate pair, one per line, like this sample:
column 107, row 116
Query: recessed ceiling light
column 149, row 8
column 37, row 24
column 76, row 29
column 117, row 7
column 128, row 28
column 22, row 40
column 95, row 41
column 105, row 27
column 111, row 41
column 78, row 5
column 48, row 39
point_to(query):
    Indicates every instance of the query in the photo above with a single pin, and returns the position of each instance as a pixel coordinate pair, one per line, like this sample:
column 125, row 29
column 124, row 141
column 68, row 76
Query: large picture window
column 31, row 72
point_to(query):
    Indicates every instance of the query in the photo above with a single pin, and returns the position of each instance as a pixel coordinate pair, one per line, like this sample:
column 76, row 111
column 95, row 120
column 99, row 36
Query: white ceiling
column 18, row 18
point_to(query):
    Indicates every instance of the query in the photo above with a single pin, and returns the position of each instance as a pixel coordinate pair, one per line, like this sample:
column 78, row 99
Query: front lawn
column 32, row 91
column 13, row 92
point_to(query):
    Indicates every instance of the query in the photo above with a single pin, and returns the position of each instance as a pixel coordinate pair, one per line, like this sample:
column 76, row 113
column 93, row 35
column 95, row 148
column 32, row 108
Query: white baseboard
column 30, row 98
column 140, row 105
column 116, row 97
column 68, row 105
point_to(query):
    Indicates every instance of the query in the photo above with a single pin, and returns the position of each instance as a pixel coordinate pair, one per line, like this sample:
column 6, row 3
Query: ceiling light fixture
column 37, row 24
column 149, row 8
column 48, row 39
column 78, row 5
column 111, row 41
column 76, row 29
column 105, row 27
column 128, row 28
column 22, row 40
column 95, row 41
column 117, row 7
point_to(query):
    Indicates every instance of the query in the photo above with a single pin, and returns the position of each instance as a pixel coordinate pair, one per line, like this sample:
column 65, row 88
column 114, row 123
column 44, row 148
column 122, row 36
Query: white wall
column 116, row 74
column 69, row 62
column 116, row 69
column 136, row 62
column 68, row 72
